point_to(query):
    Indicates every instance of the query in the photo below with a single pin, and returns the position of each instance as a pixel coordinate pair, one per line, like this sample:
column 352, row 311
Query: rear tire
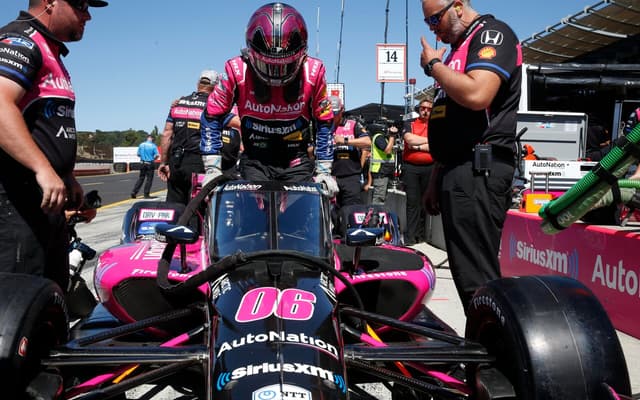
column 33, row 319
column 551, row 338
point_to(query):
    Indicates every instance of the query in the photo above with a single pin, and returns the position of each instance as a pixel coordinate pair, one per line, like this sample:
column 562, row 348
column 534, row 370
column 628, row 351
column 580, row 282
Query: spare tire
column 551, row 338
column 33, row 319
column 120, row 167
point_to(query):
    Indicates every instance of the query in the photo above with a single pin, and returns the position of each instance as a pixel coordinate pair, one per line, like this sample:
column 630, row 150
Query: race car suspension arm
column 435, row 391
column 132, row 327
column 405, row 326
column 144, row 378
column 427, row 352
column 119, row 355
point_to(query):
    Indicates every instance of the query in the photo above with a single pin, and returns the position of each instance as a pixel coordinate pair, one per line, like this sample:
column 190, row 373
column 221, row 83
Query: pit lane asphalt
column 104, row 232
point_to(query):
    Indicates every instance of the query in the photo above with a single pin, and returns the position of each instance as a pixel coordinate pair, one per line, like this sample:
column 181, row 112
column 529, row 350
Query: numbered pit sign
column 391, row 60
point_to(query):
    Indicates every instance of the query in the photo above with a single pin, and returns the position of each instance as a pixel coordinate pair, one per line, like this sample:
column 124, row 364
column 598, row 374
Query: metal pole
column 407, row 105
column 386, row 29
column 318, row 33
column 340, row 42
column 411, row 97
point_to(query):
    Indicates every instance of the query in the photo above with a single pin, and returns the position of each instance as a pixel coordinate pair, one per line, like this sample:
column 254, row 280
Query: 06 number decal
column 261, row 303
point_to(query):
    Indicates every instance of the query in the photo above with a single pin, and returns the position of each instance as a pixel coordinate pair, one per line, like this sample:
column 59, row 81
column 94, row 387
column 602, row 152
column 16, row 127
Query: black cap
column 97, row 3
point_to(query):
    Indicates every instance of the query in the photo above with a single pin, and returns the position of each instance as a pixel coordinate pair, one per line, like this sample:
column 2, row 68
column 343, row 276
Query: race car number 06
column 261, row 303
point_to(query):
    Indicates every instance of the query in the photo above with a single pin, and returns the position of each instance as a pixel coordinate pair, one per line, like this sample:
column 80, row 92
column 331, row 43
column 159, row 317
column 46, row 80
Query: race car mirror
column 175, row 234
column 363, row 236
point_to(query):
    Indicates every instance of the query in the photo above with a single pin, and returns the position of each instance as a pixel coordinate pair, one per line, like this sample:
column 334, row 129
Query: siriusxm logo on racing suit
column 51, row 109
column 564, row 262
column 13, row 63
column 274, row 130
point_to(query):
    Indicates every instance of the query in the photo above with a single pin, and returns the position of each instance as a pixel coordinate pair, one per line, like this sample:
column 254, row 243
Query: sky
column 136, row 56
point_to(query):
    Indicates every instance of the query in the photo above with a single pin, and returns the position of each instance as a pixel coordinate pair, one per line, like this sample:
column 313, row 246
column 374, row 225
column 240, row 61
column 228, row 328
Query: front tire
column 33, row 319
column 551, row 338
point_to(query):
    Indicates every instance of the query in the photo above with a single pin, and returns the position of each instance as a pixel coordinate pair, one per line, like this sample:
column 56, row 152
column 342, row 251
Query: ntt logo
column 564, row 262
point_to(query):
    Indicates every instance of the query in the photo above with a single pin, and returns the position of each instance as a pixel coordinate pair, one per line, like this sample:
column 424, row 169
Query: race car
column 246, row 294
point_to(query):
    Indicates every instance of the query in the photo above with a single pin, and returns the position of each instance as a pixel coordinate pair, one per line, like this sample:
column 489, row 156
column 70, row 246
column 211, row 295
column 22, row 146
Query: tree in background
column 99, row 145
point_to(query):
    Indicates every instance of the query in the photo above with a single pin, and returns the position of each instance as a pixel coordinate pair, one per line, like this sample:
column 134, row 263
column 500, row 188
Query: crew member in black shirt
column 471, row 135
column 350, row 138
column 181, row 140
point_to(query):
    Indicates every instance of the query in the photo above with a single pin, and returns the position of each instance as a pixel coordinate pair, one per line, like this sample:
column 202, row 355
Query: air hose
column 560, row 213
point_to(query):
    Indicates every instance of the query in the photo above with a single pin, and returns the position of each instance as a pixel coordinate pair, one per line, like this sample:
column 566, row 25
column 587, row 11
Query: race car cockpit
column 257, row 216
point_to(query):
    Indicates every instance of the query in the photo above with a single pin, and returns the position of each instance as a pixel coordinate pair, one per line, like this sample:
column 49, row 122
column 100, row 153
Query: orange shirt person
column 416, row 171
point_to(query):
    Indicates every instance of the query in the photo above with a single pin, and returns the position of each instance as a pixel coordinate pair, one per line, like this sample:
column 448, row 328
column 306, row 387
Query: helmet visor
column 282, row 71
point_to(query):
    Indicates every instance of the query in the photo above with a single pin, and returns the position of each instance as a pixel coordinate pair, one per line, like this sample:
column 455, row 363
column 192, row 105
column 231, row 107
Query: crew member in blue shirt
column 148, row 152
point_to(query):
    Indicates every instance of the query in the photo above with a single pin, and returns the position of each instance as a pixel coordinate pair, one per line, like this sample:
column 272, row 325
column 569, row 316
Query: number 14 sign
column 391, row 59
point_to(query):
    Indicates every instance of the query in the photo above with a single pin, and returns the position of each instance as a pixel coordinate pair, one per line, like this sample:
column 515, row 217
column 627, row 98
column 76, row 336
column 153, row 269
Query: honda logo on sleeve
column 493, row 38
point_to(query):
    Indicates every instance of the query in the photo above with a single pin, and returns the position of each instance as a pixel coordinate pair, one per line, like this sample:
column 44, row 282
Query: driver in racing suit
column 280, row 93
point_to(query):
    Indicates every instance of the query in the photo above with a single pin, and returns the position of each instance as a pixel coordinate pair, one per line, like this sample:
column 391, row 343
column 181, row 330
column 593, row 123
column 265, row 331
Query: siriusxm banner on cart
column 598, row 256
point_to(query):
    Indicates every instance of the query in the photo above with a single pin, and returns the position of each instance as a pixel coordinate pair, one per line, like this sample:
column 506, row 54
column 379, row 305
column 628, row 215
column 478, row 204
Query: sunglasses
column 80, row 5
column 425, row 108
column 434, row 20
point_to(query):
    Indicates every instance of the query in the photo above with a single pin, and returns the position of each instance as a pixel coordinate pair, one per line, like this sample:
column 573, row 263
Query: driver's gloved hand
column 324, row 177
column 212, row 167
column 210, row 143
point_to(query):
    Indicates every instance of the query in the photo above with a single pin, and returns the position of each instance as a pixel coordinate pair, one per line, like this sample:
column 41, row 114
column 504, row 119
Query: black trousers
column 146, row 173
column 179, row 183
column 256, row 170
column 416, row 180
column 350, row 189
column 32, row 242
column 474, row 207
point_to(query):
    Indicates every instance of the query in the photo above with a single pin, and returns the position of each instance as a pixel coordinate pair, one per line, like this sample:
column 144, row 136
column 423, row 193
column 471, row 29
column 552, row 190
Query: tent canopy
column 372, row 111
column 606, row 32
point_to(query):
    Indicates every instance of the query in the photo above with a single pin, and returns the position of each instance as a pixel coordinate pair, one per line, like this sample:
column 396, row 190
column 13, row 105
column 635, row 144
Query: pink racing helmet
column 276, row 43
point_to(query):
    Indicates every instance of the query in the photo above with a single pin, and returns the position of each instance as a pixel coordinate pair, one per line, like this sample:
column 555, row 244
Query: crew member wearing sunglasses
column 38, row 137
column 471, row 135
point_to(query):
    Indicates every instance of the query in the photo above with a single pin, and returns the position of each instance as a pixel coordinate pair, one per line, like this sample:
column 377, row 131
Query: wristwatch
column 346, row 141
column 428, row 68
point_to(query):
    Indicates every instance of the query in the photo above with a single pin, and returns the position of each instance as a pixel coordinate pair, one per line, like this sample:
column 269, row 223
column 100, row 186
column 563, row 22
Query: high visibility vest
column 378, row 156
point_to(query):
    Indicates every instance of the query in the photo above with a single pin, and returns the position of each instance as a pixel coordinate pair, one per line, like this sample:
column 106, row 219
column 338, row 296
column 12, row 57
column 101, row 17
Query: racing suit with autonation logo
column 275, row 131
column 30, row 240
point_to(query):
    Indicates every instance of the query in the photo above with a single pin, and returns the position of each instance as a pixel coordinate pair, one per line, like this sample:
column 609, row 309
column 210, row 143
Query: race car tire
column 33, row 319
column 551, row 337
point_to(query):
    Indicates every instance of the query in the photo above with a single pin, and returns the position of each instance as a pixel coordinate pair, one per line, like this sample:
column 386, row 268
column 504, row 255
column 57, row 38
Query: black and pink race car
column 247, row 294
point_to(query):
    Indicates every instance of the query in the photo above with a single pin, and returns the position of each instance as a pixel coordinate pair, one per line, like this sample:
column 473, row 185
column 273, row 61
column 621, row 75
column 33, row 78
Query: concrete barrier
column 86, row 169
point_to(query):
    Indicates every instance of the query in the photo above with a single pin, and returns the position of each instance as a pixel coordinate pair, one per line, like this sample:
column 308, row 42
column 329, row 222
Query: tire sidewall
column 493, row 323
column 33, row 321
